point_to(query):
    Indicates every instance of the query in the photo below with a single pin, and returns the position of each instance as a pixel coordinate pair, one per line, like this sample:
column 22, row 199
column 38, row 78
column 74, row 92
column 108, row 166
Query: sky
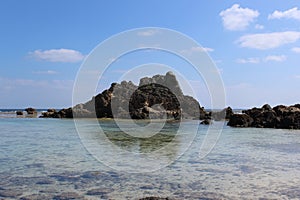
column 254, row 44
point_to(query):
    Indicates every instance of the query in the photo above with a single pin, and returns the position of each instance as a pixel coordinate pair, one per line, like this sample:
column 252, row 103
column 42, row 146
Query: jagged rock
column 285, row 117
column 147, row 96
column 66, row 113
column 51, row 113
column 156, row 97
column 267, row 107
column 31, row 111
column 240, row 120
column 51, row 110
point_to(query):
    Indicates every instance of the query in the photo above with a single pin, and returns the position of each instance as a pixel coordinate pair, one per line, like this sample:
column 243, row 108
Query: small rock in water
column 19, row 112
column 10, row 193
column 44, row 182
column 99, row 192
column 35, row 197
column 31, row 111
column 206, row 122
column 67, row 196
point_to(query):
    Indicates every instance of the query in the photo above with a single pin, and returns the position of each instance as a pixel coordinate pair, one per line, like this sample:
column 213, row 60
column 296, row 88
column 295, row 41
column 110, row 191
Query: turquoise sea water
column 45, row 159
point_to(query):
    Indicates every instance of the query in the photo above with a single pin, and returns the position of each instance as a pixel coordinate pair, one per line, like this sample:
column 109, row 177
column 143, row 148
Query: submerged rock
column 67, row 196
column 9, row 193
column 155, row 198
column 206, row 122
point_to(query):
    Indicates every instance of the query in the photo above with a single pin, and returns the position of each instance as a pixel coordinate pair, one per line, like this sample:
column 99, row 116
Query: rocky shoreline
column 161, row 97
column 282, row 117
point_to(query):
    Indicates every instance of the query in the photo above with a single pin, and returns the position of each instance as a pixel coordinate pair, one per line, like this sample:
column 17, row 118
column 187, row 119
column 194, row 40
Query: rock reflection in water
column 144, row 144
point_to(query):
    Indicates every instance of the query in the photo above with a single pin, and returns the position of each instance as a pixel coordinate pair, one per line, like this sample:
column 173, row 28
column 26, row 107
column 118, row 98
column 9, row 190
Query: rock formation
column 157, row 97
column 284, row 117
column 31, row 111
column 19, row 112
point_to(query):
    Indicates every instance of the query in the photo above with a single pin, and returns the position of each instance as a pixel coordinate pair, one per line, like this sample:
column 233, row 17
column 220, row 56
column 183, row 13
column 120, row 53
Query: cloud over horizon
column 58, row 55
column 237, row 18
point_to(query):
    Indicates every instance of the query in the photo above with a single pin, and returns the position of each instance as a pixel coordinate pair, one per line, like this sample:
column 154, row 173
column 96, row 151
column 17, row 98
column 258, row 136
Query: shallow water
column 45, row 159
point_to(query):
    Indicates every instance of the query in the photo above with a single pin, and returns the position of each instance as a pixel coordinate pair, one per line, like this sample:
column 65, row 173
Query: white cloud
column 296, row 49
column 268, row 40
column 196, row 49
column 148, row 32
column 248, row 60
column 58, row 55
column 292, row 13
column 49, row 72
column 259, row 26
column 201, row 49
column 237, row 18
column 275, row 58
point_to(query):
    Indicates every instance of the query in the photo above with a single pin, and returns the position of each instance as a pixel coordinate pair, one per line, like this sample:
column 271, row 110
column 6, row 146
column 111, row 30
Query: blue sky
column 255, row 44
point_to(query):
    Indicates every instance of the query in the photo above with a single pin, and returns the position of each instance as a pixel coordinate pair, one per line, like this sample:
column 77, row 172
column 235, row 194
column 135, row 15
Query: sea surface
column 48, row 159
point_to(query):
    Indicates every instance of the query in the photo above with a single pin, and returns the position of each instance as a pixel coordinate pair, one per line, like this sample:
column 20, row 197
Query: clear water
column 44, row 158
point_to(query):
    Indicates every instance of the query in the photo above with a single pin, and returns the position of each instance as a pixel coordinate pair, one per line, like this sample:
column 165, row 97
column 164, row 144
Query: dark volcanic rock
column 19, row 112
column 51, row 113
column 66, row 113
column 155, row 100
column 267, row 107
column 206, row 122
column 285, row 117
column 157, row 97
column 31, row 111
column 240, row 120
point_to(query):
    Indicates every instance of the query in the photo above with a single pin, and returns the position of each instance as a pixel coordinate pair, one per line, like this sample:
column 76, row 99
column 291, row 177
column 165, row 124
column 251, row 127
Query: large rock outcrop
column 284, row 117
column 157, row 97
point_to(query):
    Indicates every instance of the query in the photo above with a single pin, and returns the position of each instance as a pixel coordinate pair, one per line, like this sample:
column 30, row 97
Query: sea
column 101, row 159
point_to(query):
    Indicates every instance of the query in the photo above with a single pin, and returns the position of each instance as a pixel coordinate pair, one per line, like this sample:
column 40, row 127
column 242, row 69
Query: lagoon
column 45, row 159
